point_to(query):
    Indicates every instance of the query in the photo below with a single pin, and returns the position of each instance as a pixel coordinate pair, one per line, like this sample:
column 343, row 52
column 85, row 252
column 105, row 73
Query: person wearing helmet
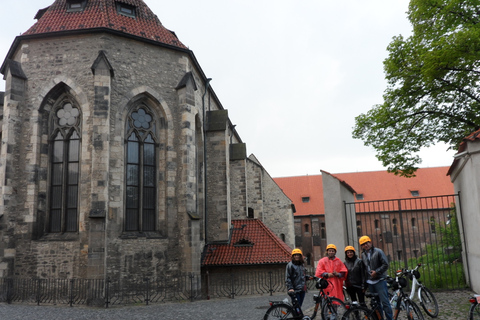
column 355, row 282
column 376, row 265
column 295, row 276
column 333, row 269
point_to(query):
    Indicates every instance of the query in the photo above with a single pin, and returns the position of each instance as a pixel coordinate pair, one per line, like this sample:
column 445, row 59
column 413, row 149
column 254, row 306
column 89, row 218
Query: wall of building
column 106, row 76
column 140, row 72
column 465, row 179
column 268, row 202
column 335, row 194
column 311, row 237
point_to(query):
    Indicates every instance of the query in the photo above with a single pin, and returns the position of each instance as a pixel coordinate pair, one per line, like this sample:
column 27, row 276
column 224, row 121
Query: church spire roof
column 131, row 17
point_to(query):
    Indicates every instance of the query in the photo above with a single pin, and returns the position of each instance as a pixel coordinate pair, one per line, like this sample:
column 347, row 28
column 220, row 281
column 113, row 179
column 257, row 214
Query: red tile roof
column 374, row 185
column 304, row 186
column 103, row 14
column 252, row 243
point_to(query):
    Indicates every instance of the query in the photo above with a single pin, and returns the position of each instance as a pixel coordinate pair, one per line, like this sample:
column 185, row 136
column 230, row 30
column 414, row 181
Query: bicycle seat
column 371, row 295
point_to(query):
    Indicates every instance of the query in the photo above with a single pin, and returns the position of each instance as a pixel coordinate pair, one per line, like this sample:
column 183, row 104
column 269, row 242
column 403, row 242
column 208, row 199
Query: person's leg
column 300, row 297
column 360, row 295
column 373, row 289
column 352, row 293
column 382, row 290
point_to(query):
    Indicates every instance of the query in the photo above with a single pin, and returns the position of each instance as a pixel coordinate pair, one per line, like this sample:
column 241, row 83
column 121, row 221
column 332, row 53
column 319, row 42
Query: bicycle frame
column 415, row 286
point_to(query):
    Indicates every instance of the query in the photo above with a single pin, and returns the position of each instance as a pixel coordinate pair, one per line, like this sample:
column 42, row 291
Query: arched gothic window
column 64, row 168
column 140, row 171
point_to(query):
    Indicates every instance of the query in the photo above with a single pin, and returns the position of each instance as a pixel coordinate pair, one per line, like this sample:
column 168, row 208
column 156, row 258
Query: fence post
column 208, row 284
column 270, row 282
column 71, row 292
column 147, row 290
column 38, row 296
column 9, row 283
column 402, row 230
column 107, row 287
column 233, row 286
column 191, row 286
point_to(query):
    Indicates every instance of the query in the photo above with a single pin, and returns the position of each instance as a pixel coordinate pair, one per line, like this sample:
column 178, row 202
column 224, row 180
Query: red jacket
column 326, row 265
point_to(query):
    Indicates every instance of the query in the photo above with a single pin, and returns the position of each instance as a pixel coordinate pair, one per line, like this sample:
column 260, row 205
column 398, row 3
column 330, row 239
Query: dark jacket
column 295, row 277
column 378, row 262
column 357, row 275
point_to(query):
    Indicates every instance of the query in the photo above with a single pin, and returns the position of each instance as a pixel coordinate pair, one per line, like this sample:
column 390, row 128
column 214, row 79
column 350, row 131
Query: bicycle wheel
column 359, row 313
column 333, row 309
column 428, row 302
column 474, row 313
column 412, row 311
column 279, row 311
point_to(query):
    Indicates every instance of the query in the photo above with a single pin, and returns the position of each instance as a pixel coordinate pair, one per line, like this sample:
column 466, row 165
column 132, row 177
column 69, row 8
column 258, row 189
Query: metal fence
column 411, row 231
column 104, row 292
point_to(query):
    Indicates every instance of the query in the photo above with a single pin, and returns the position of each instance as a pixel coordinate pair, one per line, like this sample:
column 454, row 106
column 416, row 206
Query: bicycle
column 474, row 312
column 331, row 307
column 425, row 296
column 357, row 311
column 401, row 301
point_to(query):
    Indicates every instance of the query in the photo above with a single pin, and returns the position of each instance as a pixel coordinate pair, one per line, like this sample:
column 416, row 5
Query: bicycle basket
column 321, row 283
column 416, row 273
column 401, row 283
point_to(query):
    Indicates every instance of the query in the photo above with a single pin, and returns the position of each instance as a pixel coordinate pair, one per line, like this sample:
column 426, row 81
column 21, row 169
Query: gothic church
column 117, row 158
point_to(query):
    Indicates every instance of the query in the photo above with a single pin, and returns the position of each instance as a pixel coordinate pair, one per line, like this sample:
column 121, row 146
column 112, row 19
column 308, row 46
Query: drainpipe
column 207, row 84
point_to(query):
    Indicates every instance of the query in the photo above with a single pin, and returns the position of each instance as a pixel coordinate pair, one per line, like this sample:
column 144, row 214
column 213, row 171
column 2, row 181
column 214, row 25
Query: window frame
column 120, row 5
column 81, row 5
column 144, row 219
column 60, row 143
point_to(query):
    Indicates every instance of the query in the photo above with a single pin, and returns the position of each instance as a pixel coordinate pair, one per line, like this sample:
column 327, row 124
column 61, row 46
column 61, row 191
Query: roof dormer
column 76, row 5
column 125, row 9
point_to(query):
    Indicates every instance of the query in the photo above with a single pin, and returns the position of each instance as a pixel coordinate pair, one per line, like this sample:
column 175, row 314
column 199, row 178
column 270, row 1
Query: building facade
column 374, row 208
column 117, row 158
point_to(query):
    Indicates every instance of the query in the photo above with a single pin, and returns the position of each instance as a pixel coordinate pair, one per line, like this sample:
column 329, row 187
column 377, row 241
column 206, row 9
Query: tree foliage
column 433, row 81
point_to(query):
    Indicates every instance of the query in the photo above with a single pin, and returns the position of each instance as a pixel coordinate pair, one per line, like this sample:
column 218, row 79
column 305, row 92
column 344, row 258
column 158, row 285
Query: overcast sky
column 292, row 74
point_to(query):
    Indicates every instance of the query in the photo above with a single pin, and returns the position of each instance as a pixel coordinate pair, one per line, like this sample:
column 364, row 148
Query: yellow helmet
column 364, row 239
column 331, row 246
column 349, row 248
column 297, row 251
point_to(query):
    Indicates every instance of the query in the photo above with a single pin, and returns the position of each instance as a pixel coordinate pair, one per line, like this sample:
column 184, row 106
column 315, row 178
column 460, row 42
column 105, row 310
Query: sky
column 293, row 75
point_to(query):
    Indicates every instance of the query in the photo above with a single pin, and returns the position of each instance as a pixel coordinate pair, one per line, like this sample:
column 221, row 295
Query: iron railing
column 106, row 292
column 411, row 231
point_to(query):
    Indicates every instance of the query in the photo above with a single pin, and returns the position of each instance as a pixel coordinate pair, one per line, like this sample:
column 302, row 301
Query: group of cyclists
column 357, row 273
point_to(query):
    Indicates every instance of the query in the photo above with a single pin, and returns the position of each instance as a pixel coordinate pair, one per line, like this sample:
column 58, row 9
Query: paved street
column 453, row 305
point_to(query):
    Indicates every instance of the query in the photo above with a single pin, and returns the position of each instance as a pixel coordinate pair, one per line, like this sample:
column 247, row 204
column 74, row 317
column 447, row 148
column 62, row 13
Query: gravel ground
column 453, row 305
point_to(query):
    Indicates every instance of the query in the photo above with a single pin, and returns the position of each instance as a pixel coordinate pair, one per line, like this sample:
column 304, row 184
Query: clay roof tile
column 103, row 14
column 252, row 243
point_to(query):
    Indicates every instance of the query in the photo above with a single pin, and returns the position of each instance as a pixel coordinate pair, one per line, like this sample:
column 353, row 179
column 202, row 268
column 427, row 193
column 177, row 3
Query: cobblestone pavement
column 453, row 305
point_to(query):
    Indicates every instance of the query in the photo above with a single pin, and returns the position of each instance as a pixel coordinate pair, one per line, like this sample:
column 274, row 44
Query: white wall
column 335, row 194
column 466, row 180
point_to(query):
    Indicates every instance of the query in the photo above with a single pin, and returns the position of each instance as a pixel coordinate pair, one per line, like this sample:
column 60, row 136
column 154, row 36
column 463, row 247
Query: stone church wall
column 269, row 203
column 140, row 71
column 106, row 76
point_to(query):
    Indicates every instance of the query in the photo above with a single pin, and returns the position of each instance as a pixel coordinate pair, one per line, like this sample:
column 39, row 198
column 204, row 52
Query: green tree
column 433, row 85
